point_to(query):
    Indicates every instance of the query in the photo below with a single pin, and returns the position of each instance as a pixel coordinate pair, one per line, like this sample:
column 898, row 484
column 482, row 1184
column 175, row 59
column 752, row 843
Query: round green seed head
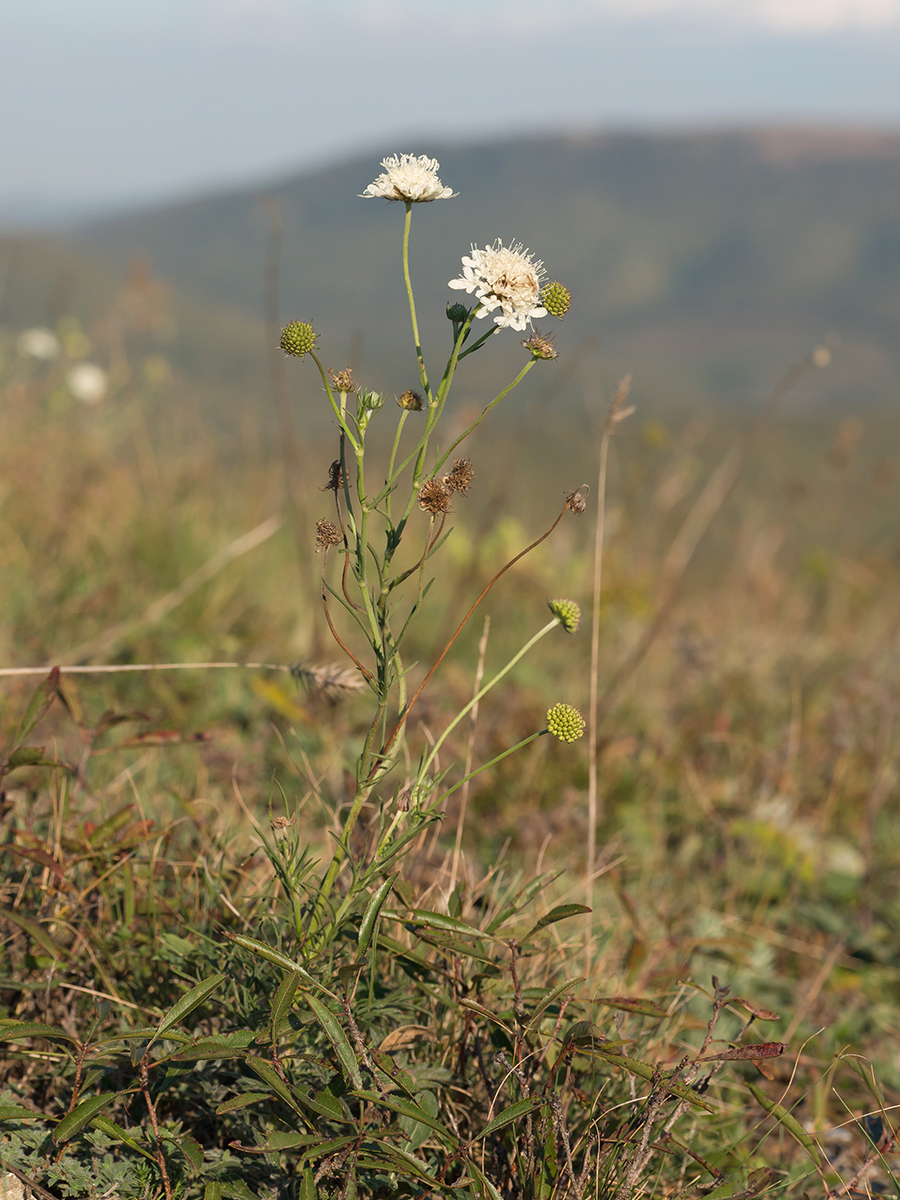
column 556, row 298
column 567, row 613
column 565, row 722
column 298, row 338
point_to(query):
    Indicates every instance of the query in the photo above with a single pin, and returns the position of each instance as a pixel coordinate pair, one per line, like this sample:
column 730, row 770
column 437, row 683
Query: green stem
column 423, row 375
column 487, row 687
column 493, row 404
column 339, row 409
column 486, row 766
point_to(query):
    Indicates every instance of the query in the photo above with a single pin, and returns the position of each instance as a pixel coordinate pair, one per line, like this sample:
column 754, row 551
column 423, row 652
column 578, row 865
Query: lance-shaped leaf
column 561, row 913
column 551, row 997
column 515, row 1111
column 338, row 1039
column 787, row 1119
column 758, row 1051
column 370, row 916
column 241, row 1101
column 282, row 1002
column 633, row 1004
column 188, row 1002
column 408, row 1108
column 261, row 950
column 16, row 1031
column 82, row 1114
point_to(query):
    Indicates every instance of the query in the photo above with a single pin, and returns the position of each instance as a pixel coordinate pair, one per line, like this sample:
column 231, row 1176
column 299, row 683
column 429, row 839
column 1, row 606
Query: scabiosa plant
column 505, row 282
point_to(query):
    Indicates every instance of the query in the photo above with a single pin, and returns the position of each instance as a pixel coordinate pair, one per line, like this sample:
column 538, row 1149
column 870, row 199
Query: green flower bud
column 567, row 613
column 565, row 722
column 457, row 313
column 556, row 298
column 298, row 338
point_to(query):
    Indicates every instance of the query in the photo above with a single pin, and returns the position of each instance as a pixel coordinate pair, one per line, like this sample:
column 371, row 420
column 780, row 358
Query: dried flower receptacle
column 459, row 479
column 435, row 497
column 327, row 535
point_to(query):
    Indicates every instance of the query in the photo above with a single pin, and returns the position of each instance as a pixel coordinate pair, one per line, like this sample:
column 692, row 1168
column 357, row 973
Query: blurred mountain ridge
column 701, row 261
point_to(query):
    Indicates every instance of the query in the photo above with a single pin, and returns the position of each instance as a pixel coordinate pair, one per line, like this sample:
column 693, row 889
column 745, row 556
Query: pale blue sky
column 111, row 101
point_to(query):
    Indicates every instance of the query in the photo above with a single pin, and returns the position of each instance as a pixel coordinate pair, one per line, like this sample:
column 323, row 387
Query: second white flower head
column 504, row 277
column 409, row 178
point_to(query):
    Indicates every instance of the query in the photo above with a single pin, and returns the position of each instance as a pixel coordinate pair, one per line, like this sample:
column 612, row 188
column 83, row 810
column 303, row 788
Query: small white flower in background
column 409, row 178
column 87, row 382
column 39, row 343
column 504, row 277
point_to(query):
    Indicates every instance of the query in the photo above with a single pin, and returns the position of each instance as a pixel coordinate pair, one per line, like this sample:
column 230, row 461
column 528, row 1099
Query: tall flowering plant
column 508, row 291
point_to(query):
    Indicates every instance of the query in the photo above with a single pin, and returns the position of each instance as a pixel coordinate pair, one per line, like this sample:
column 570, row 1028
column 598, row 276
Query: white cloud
column 529, row 17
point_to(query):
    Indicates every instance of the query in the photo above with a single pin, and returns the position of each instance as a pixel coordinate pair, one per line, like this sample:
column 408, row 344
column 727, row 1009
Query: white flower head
column 87, row 382
column 505, row 278
column 39, row 343
column 409, row 178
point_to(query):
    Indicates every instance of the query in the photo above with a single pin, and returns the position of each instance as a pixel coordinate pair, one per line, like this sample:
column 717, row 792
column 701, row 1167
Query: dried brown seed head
column 576, row 500
column 342, row 380
column 460, row 477
column 435, row 497
column 327, row 535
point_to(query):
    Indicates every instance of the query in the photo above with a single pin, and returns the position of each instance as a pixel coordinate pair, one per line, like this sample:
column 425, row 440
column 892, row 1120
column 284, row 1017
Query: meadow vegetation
column 212, row 983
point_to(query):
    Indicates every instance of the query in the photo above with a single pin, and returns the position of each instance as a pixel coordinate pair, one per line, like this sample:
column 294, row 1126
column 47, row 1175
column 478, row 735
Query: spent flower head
column 460, row 477
column 541, row 345
column 435, row 497
column 567, row 613
column 327, row 535
column 408, row 178
column 565, row 722
column 410, row 400
column 575, row 501
column 298, row 338
column 507, row 278
column 343, row 380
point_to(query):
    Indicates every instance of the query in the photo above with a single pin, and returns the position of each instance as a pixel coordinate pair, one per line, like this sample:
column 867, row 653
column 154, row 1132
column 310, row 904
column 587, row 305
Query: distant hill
column 702, row 262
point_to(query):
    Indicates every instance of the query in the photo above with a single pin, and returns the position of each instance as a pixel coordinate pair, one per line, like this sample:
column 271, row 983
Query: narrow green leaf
column 37, row 707
column 520, row 1109
column 32, row 756
column 551, row 997
column 408, row 1108
column 129, row 1137
column 282, row 1002
column 241, row 1101
column 16, row 1112
column 261, row 950
column 188, row 1002
column 38, row 933
column 633, row 1004
column 785, row 1118
column 212, row 1191
column 326, row 1104
column 370, row 916
column 308, row 1189
column 435, row 920
column 338, row 1039
column 13, row 1031
column 82, row 1114
column 191, row 1149
column 397, row 1157
column 452, row 945
column 287, row 1139
column 269, row 1075
column 561, row 913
